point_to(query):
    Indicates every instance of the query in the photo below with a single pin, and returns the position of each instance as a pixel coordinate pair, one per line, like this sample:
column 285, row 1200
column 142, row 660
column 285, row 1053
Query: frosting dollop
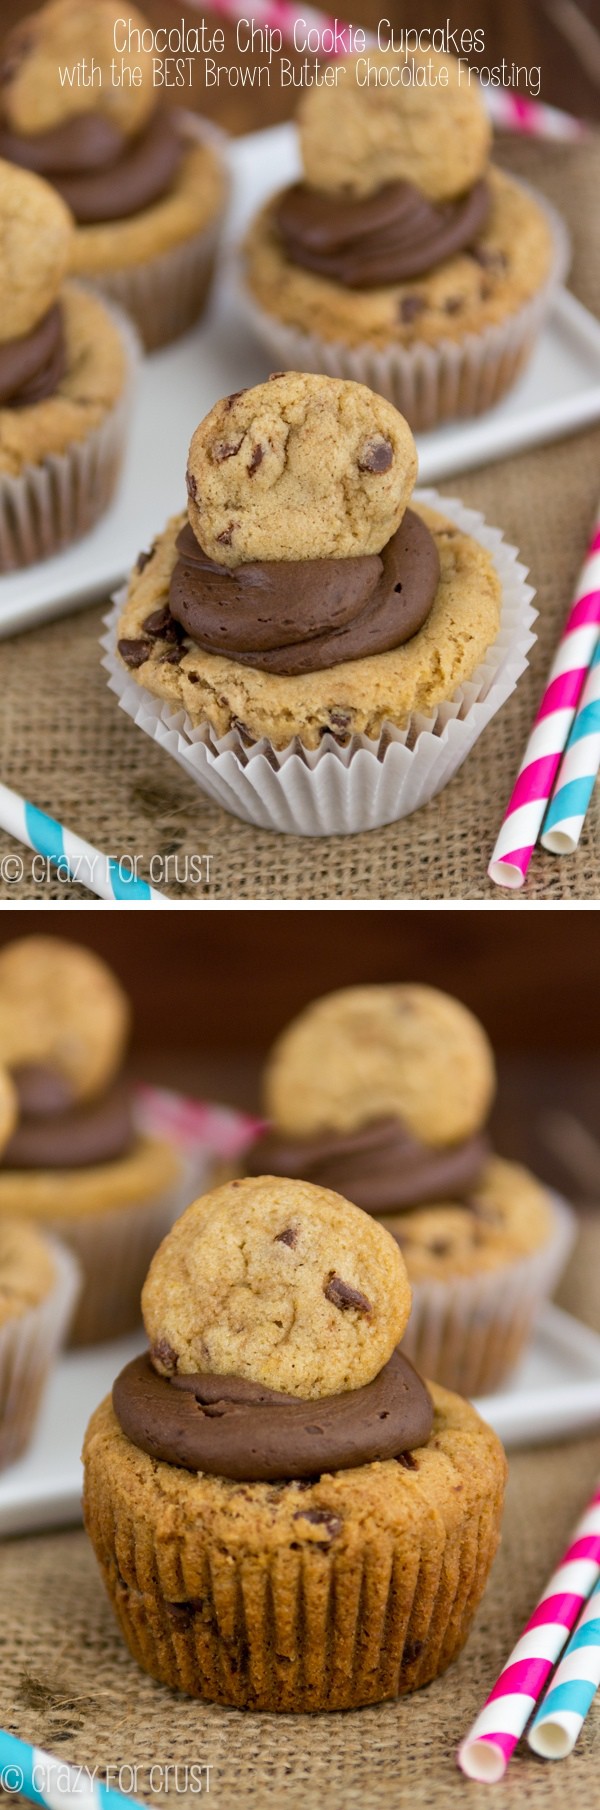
column 100, row 173
column 54, row 1133
column 291, row 617
column 231, row 1428
column 386, row 237
column 381, row 1166
column 31, row 368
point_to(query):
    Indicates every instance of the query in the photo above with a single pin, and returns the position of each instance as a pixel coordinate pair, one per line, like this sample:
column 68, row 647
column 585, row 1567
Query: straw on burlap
column 68, row 1683
column 67, row 746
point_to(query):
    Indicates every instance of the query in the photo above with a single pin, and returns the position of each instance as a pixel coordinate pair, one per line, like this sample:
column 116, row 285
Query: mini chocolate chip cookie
column 60, row 1005
column 36, row 233
column 432, row 130
column 8, row 1107
column 280, row 1283
column 301, row 467
column 34, row 99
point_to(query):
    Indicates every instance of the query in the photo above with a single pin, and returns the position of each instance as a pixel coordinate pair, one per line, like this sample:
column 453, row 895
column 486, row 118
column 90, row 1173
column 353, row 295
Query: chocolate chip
column 407, row 1461
column 143, row 559
column 274, row 374
column 290, row 1236
column 256, row 460
column 134, row 652
column 320, row 1517
column 161, row 622
column 162, row 1354
column 181, row 1615
column 411, row 306
column 175, row 655
column 225, row 449
column 192, row 487
column 194, row 678
column 412, row 1651
column 226, row 535
column 453, row 304
column 242, row 728
column 342, row 1295
column 485, row 291
column 439, row 1248
column 489, row 258
column 340, row 725
column 377, row 455
column 229, row 400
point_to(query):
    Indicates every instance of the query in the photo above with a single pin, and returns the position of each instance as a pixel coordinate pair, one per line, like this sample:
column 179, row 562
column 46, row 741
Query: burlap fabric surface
column 68, row 1685
column 67, row 746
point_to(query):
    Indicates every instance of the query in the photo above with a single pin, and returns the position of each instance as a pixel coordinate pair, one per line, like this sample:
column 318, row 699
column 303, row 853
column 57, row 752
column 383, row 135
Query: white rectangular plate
column 559, row 392
column 555, row 1393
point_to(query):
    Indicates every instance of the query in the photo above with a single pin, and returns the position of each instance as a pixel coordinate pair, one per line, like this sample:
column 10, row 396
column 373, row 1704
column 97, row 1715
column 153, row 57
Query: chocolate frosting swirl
column 101, row 174
column 231, row 1428
column 31, row 368
column 54, row 1133
column 298, row 616
column 387, row 237
column 381, row 1167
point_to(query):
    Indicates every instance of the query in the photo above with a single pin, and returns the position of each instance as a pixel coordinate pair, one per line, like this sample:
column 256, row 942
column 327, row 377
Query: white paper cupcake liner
column 335, row 790
column 50, row 505
column 468, row 1332
column 165, row 295
column 28, row 1348
column 428, row 384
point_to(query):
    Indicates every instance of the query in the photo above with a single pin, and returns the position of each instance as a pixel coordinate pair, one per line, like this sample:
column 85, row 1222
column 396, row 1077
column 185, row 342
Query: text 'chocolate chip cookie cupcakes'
column 383, row 1092
column 145, row 181
column 77, row 1160
column 318, row 646
column 285, row 1515
column 66, row 365
column 402, row 257
column 39, row 1284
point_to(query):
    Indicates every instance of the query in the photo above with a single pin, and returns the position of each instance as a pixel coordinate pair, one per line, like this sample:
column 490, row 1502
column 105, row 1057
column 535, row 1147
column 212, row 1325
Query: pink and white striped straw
column 508, row 110
column 529, row 800
column 487, row 1749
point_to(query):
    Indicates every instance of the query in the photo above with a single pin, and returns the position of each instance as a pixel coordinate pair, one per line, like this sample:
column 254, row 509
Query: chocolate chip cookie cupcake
column 65, row 377
column 402, row 257
column 146, row 183
column 285, row 1515
column 39, row 1283
column 78, row 1162
column 310, row 607
column 384, row 1093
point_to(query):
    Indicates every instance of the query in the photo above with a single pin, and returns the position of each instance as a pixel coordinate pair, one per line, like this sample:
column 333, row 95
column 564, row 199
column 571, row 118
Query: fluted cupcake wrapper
column 52, row 504
column 468, row 1332
column 296, row 1629
column 429, row 384
column 165, row 295
column 29, row 1344
column 335, row 790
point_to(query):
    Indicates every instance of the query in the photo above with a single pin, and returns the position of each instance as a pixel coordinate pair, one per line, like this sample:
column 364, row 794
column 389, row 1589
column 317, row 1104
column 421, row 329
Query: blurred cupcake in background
column 146, row 183
column 403, row 258
column 78, row 1161
column 66, row 363
column 39, row 1282
column 382, row 1093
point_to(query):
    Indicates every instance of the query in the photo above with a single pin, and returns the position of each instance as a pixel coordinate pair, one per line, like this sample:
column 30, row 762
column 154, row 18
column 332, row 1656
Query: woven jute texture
column 68, row 1684
column 68, row 747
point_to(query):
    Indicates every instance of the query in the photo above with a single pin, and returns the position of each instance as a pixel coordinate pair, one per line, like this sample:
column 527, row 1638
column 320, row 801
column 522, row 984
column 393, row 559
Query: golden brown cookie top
column 63, row 34
column 36, row 233
column 61, row 1006
column 301, row 467
column 368, row 1053
column 27, row 1269
column 8, row 1107
column 279, row 1283
column 432, row 132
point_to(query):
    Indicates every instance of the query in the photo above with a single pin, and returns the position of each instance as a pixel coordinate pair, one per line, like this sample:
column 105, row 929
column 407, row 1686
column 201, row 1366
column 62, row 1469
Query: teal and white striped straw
column 102, row 874
column 43, row 1779
column 563, row 1710
column 578, row 771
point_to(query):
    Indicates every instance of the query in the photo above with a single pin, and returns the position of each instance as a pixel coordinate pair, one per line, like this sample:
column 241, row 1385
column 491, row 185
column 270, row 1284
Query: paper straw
column 578, row 772
column 103, row 875
column 526, row 809
column 557, row 1722
column 488, row 1747
column 508, row 110
column 43, row 1779
column 221, row 1130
